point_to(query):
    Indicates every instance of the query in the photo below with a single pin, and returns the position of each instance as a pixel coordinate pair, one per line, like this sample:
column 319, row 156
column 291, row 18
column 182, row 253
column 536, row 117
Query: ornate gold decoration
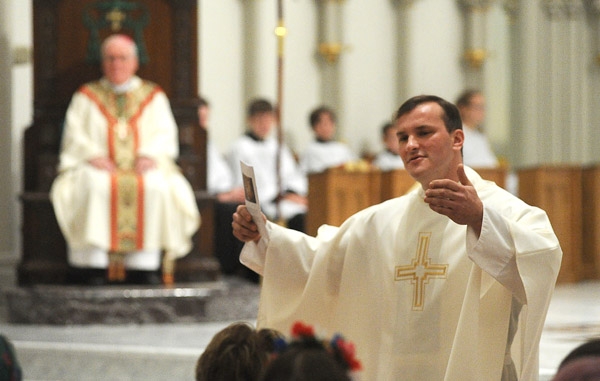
column 475, row 57
column 116, row 18
column 280, row 32
column 358, row 166
column 330, row 51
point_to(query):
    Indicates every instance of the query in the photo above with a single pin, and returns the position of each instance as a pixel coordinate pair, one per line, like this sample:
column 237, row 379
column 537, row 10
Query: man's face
column 119, row 62
column 262, row 123
column 429, row 152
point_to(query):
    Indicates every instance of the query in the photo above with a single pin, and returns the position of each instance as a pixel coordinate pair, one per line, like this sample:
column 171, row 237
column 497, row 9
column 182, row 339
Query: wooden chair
column 66, row 35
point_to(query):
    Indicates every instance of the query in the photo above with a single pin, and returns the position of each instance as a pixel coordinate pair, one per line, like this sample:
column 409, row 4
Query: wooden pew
column 395, row 183
column 557, row 190
column 337, row 193
column 497, row 175
column 591, row 222
column 61, row 65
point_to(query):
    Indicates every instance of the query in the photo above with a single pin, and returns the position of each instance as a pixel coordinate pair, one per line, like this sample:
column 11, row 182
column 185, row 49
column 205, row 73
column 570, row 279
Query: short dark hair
column 385, row 128
column 315, row 115
column 306, row 360
column 464, row 99
column 259, row 106
column 237, row 352
column 590, row 348
column 202, row 101
column 450, row 114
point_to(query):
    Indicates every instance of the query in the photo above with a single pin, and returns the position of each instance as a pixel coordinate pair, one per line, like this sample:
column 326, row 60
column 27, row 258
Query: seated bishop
column 121, row 202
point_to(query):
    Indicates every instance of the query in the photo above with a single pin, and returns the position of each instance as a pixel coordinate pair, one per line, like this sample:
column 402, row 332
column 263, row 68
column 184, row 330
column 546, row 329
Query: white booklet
column 251, row 196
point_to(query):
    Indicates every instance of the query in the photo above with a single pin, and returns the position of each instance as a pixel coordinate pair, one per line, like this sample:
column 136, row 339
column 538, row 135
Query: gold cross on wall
column 420, row 271
column 116, row 17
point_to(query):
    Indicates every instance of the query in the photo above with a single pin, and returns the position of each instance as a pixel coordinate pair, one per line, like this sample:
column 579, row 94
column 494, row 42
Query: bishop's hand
column 243, row 225
column 457, row 200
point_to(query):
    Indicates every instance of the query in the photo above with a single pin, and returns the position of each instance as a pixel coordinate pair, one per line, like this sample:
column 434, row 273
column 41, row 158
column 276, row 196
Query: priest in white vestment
column 449, row 282
column 119, row 198
column 324, row 152
column 220, row 183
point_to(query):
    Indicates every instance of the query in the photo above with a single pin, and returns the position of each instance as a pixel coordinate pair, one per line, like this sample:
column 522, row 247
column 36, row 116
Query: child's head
column 238, row 352
column 389, row 138
column 261, row 117
column 322, row 121
column 308, row 358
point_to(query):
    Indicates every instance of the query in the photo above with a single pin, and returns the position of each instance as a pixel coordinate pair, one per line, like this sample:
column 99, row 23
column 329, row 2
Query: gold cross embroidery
column 420, row 271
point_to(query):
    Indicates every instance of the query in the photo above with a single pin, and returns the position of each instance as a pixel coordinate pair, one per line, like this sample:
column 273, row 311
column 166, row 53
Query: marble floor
column 169, row 351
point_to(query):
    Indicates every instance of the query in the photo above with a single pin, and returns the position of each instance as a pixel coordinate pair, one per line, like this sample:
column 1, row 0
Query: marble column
column 592, row 133
column 403, row 33
column 475, row 49
column 260, row 44
column 330, row 49
column 566, row 83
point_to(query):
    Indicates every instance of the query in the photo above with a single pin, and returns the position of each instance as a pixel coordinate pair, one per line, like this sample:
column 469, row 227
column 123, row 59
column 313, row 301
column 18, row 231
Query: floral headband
column 342, row 350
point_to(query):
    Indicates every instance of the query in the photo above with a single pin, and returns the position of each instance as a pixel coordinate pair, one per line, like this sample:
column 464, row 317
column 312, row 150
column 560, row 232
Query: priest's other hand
column 243, row 225
column 144, row 163
column 103, row 163
column 457, row 200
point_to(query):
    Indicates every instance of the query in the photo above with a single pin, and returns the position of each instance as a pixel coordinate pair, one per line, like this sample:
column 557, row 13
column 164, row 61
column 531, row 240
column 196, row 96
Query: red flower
column 348, row 352
column 300, row 329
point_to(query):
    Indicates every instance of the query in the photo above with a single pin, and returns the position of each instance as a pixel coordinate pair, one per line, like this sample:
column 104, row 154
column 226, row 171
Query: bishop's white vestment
column 319, row 156
column 122, row 211
column 422, row 297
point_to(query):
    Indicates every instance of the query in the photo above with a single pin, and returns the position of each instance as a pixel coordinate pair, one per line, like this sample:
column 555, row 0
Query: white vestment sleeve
column 494, row 252
column 253, row 254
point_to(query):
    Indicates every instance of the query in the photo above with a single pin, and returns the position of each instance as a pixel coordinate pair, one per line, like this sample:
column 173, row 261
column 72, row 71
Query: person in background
column 477, row 151
column 10, row 370
column 307, row 357
column 220, row 184
column 219, row 176
column 285, row 201
column 119, row 197
column 581, row 364
column 442, row 283
column 239, row 352
column 389, row 159
column 324, row 152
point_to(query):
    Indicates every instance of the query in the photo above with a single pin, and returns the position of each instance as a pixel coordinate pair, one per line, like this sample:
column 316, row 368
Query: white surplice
column 388, row 161
column 262, row 155
column 422, row 297
column 81, row 194
column 218, row 174
column 477, row 150
column 319, row 156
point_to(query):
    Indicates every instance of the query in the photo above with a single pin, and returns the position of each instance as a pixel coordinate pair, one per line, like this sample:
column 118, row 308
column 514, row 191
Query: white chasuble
column 421, row 297
column 122, row 211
